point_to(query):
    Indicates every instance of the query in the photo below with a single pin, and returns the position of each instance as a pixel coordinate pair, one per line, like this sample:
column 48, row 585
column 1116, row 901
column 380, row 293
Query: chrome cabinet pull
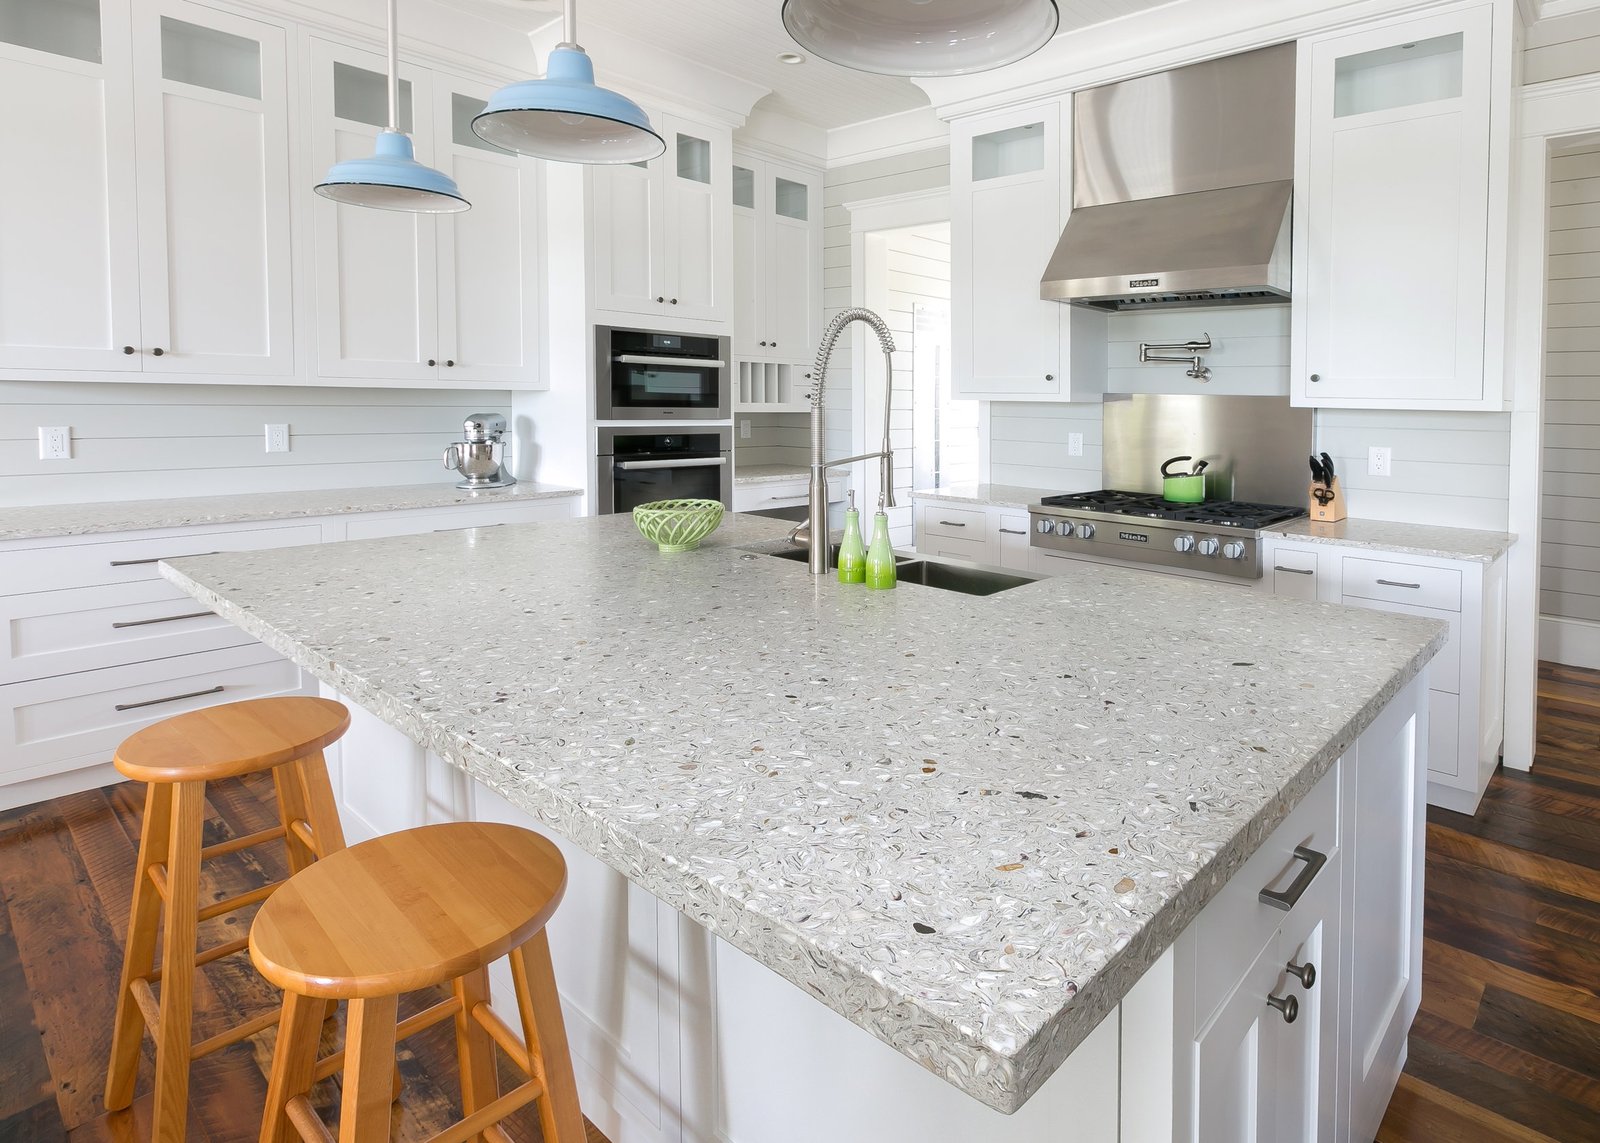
column 682, row 362
column 1397, row 583
column 691, row 462
column 162, row 619
column 1010, row 531
column 951, row 524
column 1297, row 571
column 169, row 698
column 1305, row 973
column 1288, row 1005
column 157, row 559
column 1287, row 899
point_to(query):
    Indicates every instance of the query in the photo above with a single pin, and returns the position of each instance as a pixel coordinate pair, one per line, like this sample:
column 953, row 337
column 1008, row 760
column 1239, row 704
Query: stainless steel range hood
column 1181, row 188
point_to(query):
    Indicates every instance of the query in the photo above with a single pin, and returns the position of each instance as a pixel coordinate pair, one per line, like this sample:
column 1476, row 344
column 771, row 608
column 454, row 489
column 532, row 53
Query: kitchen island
column 973, row 827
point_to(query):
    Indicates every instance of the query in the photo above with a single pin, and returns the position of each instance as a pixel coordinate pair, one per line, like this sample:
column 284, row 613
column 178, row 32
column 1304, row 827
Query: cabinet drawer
column 780, row 494
column 1011, row 528
column 1294, row 573
column 1444, row 733
column 1444, row 669
column 958, row 523
column 1237, row 923
column 48, row 633
column 975, row 549
column 1416, row 584
column 372, row 527
column 46, row 721
column 127, row 561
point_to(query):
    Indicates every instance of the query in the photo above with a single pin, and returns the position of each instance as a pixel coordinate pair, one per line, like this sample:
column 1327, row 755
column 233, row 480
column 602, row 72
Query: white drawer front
column 371, row 527
column 956, row 523
column 48, row 633
column 1237, row 923
column 1444, row 734
column 1415, row 584
column 1012, row 530
column 975, row 549
column 128, row 561
column 49, row 720
column 1444, row 669
column 780, row 494
column 1294, row 573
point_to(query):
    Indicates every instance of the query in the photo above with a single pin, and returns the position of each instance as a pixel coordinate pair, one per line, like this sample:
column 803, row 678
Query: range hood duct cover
column 1181, row 188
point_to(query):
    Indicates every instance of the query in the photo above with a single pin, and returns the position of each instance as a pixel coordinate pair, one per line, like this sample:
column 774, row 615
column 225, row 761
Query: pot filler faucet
column 816, row 524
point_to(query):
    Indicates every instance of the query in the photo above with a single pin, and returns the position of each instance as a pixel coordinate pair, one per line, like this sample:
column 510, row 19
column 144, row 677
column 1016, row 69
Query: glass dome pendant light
column 392, row 179
column 921, row 37
column 565, row 116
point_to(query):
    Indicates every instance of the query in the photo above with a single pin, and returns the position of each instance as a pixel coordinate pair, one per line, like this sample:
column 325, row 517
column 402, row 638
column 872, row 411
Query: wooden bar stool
column 405, row 911
column 176, row 758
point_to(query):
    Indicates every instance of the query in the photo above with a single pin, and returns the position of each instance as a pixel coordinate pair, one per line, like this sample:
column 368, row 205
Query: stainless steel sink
column 798, row 555
column 957, row 577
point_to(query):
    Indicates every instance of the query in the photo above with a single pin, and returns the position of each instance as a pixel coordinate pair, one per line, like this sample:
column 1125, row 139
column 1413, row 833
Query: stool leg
column 139, row 954
column 294, row 1061
column 322, row 810
column 177, row 962
column 368, row 1070
column 291, row 808
column 545, row 1033
column 480, row 1086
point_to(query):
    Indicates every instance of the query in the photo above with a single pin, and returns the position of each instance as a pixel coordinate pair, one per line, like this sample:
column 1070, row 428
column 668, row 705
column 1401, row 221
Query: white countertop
column 769, row 473
column 990, row 495
column 967, row 834
column 1412, row 539
column 53, row 520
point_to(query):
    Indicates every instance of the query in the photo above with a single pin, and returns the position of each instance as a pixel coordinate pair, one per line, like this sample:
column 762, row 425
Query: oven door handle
column 681, row 362
column 693, row 462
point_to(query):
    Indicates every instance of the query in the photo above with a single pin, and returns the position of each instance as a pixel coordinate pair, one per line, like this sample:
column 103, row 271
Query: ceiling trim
column 919, row 129
column 899, row 211
column 1555, row 9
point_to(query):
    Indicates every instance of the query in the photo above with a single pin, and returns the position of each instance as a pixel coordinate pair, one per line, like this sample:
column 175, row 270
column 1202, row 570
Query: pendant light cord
column 569, row 25
column 394, row 66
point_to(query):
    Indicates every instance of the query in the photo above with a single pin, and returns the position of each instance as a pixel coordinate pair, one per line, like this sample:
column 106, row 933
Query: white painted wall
column 1562, row 47
column 136, row 442
column 917, row 269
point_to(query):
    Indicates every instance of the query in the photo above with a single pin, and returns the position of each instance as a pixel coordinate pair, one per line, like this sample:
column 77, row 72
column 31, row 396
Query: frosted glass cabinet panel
column 1012, row 151
column 1400, row 75
column 210, row 57
column 58, row 27
column 361, row 95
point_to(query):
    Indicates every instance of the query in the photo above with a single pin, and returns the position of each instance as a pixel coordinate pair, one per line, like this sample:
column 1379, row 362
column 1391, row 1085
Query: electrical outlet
column 744, row 429
column 1074, row 444
column 277, row 438
column 1377, row 461
column 55, row 443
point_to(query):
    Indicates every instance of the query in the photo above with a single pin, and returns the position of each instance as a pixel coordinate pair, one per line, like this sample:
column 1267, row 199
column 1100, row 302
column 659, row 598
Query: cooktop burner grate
column 1222, row 513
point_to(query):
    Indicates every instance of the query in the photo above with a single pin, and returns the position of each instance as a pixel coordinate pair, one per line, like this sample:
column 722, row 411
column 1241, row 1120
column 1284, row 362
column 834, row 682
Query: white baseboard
column 1571, row 642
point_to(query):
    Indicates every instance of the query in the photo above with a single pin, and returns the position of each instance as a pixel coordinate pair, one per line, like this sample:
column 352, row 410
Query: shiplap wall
column 1562, row 47
column 1569, row 580
column 137, row 441
column 1028, row 445
column 1249, row 354
column 918, row 270
column 775, row 438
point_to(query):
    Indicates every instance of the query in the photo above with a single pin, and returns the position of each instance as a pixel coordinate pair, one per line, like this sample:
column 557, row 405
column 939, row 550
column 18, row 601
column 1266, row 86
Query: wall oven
column 639, row 465
column 643, row 375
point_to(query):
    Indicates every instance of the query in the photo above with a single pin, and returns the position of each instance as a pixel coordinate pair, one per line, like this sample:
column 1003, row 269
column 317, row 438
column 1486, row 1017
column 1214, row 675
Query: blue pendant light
column 565, row 116
column 392, row 179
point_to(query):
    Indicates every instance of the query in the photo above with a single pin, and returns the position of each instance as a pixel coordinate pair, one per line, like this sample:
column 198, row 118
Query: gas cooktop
column 1150, row 505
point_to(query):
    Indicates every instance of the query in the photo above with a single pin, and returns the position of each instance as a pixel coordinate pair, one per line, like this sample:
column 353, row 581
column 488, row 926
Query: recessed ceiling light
column 791, row 58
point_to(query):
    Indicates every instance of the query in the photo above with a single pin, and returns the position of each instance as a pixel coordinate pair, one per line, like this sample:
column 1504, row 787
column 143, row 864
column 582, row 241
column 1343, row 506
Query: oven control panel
column 1193, row 547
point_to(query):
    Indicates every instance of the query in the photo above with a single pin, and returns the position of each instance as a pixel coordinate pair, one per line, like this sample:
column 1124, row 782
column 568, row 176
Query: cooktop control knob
column 1064, row 528
column 1086, row 531
column 1183, row 544
column 1209, row 546
column 1233, row 550
column 1045, row 527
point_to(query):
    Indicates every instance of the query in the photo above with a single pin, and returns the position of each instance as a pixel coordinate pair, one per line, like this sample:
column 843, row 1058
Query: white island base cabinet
column 678, row 1037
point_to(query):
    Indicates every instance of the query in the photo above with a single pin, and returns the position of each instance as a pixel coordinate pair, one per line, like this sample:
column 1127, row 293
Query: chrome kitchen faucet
column 817, row 520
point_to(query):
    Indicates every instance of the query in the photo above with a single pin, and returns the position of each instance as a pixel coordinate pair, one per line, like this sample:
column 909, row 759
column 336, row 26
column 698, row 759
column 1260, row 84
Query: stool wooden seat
column 176, row 758
column 407, row 911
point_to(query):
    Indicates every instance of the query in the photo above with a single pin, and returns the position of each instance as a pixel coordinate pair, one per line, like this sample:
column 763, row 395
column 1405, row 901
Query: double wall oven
column 666, row 388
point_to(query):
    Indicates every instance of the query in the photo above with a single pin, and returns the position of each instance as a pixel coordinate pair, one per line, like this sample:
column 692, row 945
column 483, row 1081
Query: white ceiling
column 743, row 38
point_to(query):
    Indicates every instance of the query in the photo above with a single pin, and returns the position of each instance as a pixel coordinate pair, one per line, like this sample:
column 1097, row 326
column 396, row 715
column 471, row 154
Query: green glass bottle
column 880, row 556
column 852, row 552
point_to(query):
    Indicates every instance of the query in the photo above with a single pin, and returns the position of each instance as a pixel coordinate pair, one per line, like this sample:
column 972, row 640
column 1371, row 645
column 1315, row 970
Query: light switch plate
column 1377, row 461
column 277, row 438
column 55, row 443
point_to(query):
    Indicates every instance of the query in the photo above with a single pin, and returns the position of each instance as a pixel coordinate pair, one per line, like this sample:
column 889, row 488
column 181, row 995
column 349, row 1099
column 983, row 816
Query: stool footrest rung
column 509, row 1041
column 307, row 1122
column 234, row 1035
column 230, row 904
column 302, row 830
column 492, row 1113
column 215, row 952
column 149, row 1007
column 234, row 845
column 411, row 1025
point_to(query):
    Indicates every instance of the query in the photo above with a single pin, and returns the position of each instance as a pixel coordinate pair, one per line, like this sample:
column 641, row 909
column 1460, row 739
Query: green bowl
column 677, row 525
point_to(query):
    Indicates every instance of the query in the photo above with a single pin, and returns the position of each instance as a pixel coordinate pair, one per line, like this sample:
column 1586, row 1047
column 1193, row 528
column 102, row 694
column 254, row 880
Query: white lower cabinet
column 981, row 534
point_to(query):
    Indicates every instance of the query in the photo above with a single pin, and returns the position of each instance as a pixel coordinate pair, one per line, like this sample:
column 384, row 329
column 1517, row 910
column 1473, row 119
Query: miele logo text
column 1136, row 537
column 1139, row 283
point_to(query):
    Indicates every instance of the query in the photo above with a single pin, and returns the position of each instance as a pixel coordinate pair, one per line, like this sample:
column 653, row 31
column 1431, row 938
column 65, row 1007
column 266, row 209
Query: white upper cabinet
column 662, row 231
column 415, row 298
column 1394, row 227
column 1010, row 194
column 164, row 221
column 777, row 254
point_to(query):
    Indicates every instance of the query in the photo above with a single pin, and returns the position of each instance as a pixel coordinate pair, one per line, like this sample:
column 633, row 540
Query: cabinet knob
column 127, row 349
column 661, row 299
column 672, row 302
column 1315, row 377
column 431, row 363
column 157, row 352
column 774, row 345
column 1288, row 1005
column 1049, row 376
column 1306, row 973
column 763, row 343
column 449, row 363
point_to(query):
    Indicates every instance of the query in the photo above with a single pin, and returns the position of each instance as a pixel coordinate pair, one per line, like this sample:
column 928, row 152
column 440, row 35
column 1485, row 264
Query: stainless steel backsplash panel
column 1257, row 446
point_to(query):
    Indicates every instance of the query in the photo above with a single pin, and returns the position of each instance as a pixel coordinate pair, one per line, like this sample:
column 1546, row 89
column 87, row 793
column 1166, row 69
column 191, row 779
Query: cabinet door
column 749, row 260
column 628, row 249
column 1011, row 538
column 1394, row 174
column 377, row 303
column 68, row 200
column 490, row 311
column 697, row 177
column 212, row 103
column 1005, row 220
column 794, row 264
column 1305, row 1083
column 1294, row 573
column 1234, row 1061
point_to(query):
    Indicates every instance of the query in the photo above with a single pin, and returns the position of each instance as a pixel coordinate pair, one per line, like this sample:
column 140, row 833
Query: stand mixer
column 480, row 458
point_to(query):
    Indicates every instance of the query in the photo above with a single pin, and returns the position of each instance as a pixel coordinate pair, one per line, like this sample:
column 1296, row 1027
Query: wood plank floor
column 1507, row 1045
column 66, row 876
column 1506, row 1048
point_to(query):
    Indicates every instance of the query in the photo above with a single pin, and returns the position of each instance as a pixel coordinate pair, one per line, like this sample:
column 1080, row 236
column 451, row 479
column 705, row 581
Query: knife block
column 1331, row 512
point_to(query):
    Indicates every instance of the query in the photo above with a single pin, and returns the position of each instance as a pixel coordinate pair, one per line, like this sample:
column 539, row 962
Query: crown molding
column 903, row 133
